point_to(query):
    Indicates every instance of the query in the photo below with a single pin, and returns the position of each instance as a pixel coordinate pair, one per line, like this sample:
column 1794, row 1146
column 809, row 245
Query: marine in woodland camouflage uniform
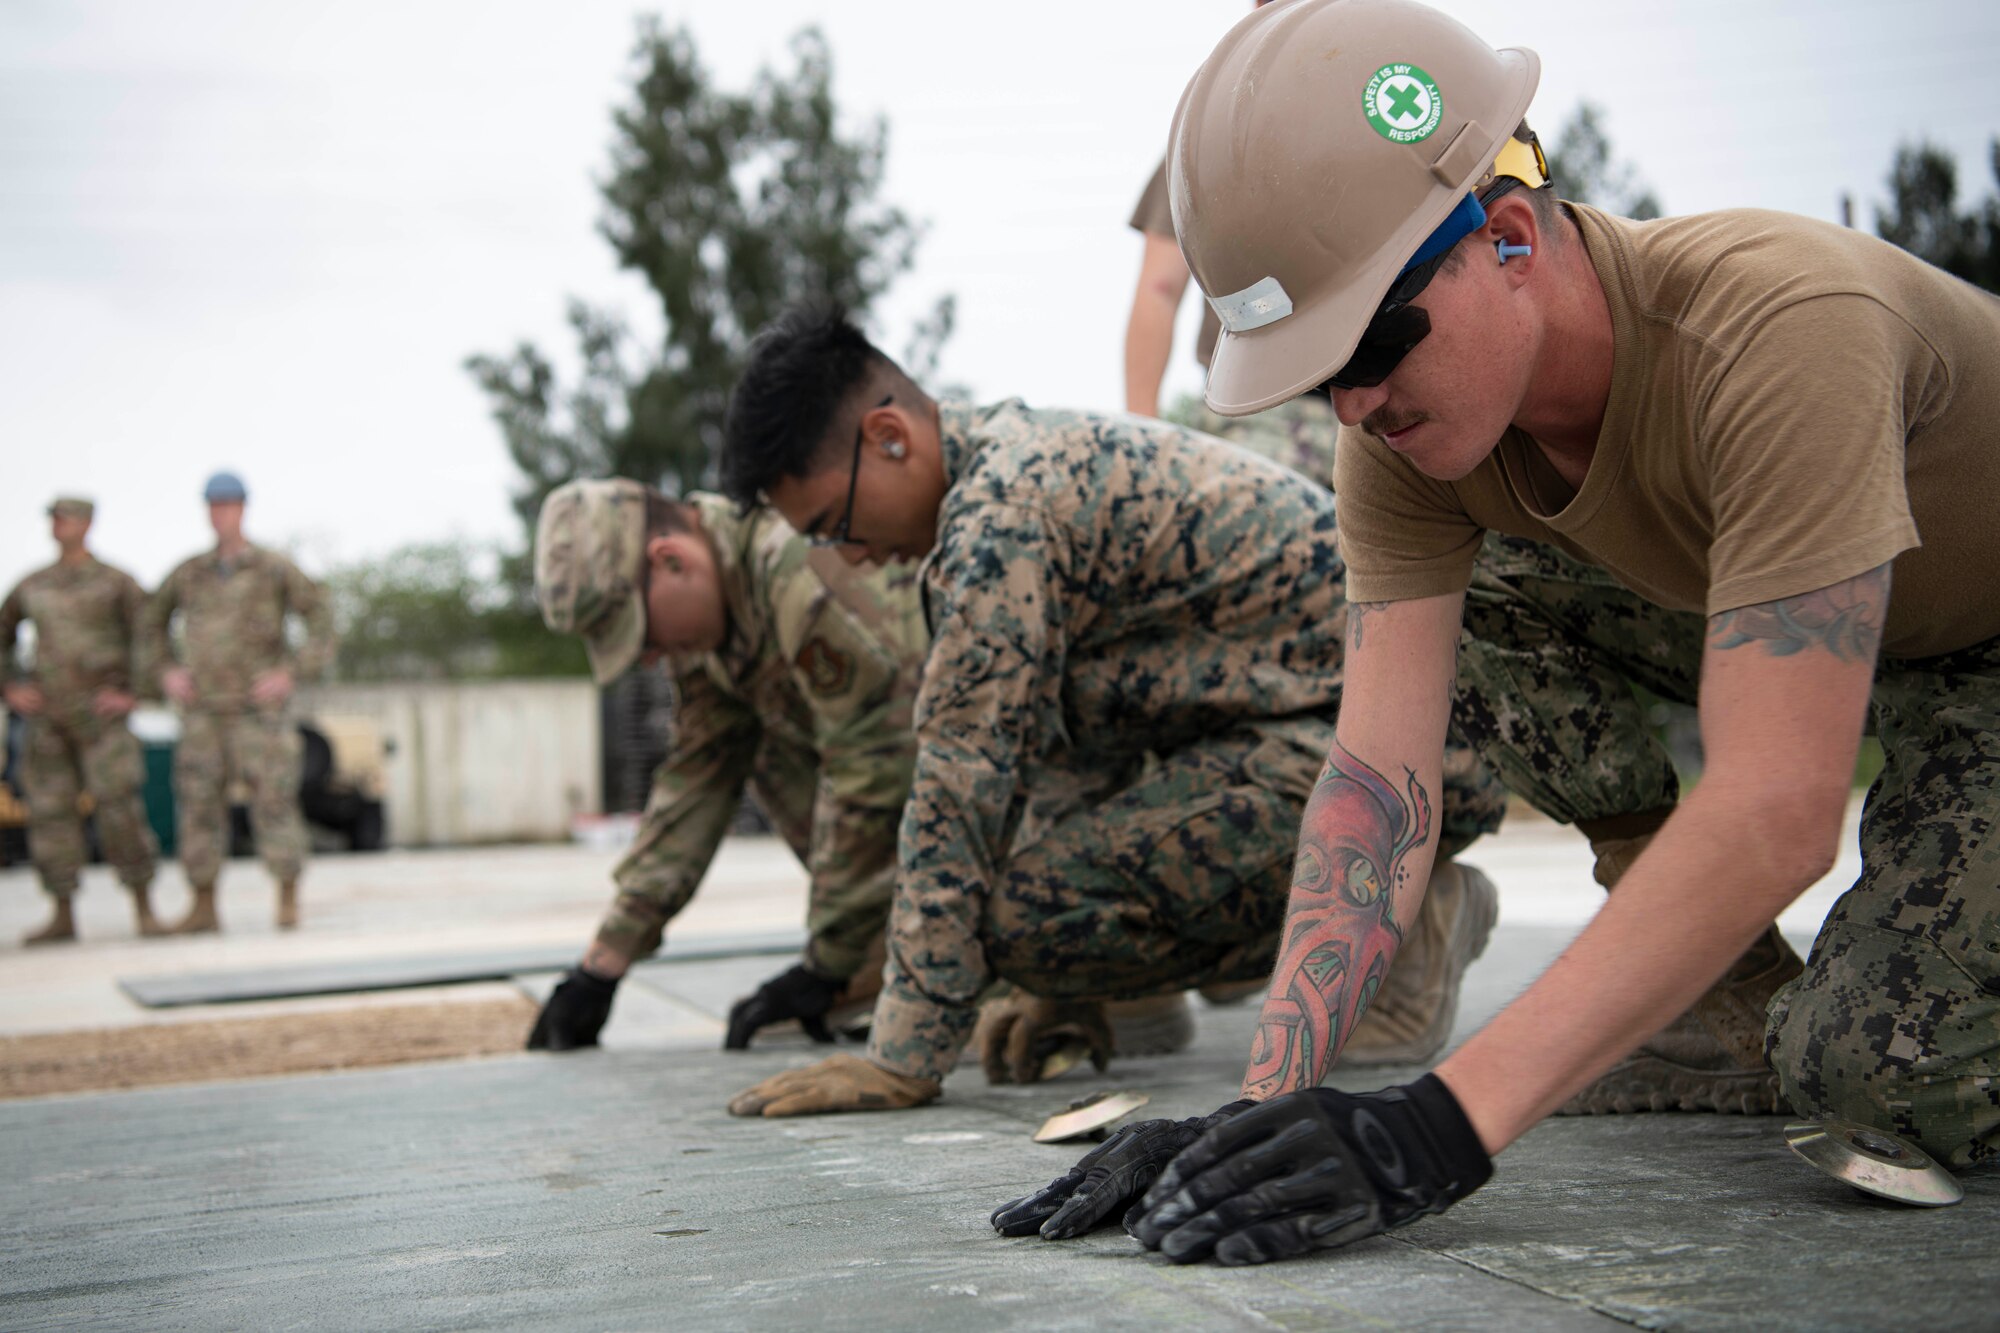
column 88, row 635
column 809, row 702
column 232, row 631
column 1138, row 640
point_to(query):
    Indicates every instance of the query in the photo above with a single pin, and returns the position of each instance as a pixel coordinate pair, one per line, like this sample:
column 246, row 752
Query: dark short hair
column 801, row 368
column 666, row 517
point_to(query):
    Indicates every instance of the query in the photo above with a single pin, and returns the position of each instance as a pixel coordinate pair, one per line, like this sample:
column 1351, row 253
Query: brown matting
column 152, row 1054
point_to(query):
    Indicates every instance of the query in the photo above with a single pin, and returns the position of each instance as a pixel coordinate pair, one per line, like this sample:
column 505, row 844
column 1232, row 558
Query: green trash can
column 160, row 794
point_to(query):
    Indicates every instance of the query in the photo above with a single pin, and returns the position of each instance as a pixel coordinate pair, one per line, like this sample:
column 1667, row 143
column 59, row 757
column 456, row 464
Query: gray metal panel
column 376, row 974
column 607, row 1189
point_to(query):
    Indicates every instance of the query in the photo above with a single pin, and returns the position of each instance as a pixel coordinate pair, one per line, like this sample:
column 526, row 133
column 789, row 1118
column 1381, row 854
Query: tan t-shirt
column 1155, row 217
column 1792, row 404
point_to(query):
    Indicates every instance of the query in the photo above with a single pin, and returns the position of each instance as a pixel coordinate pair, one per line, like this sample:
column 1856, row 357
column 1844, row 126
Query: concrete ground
column 609, row 1190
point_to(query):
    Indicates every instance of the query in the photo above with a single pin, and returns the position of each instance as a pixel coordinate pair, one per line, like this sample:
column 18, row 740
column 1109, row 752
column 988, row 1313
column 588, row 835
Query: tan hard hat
column 590, row 558
column 1312, row 154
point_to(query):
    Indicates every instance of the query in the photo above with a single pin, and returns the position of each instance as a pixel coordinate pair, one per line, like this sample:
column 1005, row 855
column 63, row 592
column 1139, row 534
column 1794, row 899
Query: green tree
column 1923, row 215
column 730, row 206
column 434, row 611
column 1585, row 172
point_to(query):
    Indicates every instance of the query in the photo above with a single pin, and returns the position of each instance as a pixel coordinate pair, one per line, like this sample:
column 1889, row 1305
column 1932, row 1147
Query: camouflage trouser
column 1300, row 434
column 658, row 875
column 65, row 757
column 1182, row 877
column 263, row 750
column 1896, row 1019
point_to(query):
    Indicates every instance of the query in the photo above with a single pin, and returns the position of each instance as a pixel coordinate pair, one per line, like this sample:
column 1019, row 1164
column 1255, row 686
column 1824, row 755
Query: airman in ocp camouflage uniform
column 1133, row 682
column 84, row 682
column 233, row 683
column 799, row 684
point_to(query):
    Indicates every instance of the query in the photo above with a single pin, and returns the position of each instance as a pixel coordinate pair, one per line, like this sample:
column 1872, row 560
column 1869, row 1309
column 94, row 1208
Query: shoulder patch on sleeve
column 828, row 671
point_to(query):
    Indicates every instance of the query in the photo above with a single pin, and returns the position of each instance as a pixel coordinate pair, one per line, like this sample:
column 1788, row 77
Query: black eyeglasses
column 1394, row 330
column 1397, row 326
column 842, row 534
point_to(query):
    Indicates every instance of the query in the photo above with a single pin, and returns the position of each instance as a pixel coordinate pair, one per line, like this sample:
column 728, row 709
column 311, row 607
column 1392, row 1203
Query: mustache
column 1384, row 422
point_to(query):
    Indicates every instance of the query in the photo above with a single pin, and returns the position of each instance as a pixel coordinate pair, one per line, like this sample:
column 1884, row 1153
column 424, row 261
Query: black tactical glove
column 575, row 1012
column 1108, row 1180
column 799, row 993
column 1312, row 1170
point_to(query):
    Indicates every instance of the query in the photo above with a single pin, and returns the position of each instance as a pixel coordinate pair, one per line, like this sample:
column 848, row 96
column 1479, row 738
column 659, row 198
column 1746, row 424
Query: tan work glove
column 1018, row 1033
column 837, row 1083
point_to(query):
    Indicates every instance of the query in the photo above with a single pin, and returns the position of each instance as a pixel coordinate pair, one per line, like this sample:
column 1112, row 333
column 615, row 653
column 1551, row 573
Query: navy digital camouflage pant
column 1181, row 876
column 1896, row 1019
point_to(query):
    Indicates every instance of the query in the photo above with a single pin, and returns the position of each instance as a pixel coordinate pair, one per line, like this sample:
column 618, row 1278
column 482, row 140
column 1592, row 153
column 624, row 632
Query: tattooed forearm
column 1845, row 619
column 1341, row 931
column 1357, row 617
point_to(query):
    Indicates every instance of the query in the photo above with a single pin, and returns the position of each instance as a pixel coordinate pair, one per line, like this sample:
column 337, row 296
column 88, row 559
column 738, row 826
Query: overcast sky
column 265, row 236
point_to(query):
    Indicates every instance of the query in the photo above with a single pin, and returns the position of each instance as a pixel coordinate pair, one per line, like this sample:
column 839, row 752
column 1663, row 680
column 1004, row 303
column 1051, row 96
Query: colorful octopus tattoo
column 1341, row 932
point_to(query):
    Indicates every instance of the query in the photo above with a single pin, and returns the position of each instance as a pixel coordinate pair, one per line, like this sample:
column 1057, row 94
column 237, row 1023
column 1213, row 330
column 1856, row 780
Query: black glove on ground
column 575, row 1012
column 1108, row 1180
column 799, row 993
column 1312, row 1170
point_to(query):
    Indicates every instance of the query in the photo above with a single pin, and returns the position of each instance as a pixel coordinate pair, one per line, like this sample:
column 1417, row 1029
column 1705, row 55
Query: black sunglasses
column 842, row 533
column 1397, row 326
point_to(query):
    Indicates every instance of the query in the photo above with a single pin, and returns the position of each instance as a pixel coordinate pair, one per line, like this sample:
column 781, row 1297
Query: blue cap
column 223, row 487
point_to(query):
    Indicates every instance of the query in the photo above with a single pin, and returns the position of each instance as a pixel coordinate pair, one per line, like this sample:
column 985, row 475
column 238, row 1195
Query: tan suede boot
column 1409, row 1021
column 201, row 918
column 288, row 905
column 60, row 930
column 142, row 912
column 1710, row 1058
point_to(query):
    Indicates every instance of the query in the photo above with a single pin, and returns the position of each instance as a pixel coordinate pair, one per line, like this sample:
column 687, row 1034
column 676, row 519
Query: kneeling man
column 792, row 673
column 1133, row 681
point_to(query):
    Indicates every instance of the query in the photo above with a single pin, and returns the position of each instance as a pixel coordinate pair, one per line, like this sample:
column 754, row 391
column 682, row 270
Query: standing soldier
column 791, row 672
column 1299, row 433
column 233, row 684
column 87, row 635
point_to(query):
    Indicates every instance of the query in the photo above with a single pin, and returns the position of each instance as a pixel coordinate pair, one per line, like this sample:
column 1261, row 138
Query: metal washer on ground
column 1875, row 1162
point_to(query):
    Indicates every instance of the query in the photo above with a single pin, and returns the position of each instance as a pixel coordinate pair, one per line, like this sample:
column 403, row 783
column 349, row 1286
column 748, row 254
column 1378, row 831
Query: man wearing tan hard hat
column 1747, row 417
column 793, row 675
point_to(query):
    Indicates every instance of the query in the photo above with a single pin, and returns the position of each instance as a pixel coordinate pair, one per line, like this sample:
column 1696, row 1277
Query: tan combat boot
column 142, row 912
column 60, row 930
column 1711, row 1058
column 201, row 918
column 1156, row 1025
column 288, row 905
column 1410, row 1018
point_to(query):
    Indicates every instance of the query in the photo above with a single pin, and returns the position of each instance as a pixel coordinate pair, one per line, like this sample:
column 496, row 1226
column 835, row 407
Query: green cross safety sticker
column 1403, row 103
